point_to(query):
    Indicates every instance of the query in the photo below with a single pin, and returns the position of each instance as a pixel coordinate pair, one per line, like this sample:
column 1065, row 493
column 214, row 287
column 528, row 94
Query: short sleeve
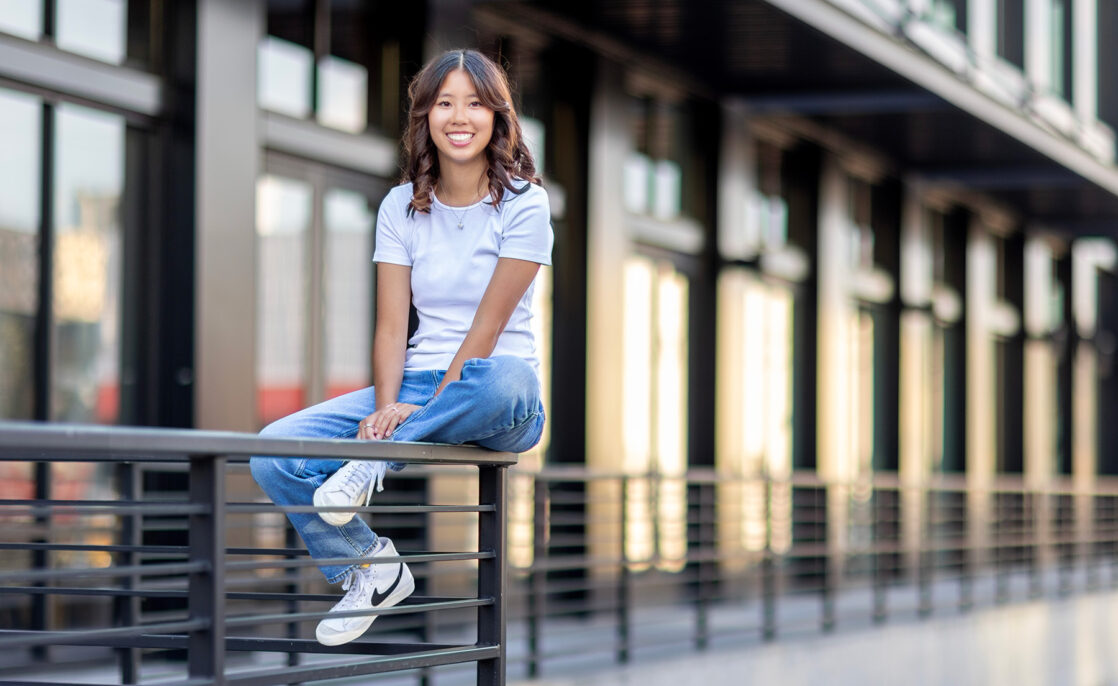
column 391, row 246
column 526, row 227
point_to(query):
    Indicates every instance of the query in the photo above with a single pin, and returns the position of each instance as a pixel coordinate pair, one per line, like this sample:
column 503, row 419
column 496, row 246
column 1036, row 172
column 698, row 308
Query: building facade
column 839, row 237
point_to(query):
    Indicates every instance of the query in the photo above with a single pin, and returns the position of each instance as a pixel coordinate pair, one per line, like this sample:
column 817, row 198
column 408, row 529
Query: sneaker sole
column 332, row 518
column 405, row 588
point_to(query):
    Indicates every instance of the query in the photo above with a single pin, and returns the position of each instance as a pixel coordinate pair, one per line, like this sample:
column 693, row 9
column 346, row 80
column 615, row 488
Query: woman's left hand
column 380, row 424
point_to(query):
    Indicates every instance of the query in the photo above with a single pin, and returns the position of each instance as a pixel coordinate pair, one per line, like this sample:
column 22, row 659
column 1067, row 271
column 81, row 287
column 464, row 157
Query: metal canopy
column 810, row 59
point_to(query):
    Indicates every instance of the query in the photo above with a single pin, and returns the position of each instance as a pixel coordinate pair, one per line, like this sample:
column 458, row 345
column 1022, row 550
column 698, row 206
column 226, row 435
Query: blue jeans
column 496, row 404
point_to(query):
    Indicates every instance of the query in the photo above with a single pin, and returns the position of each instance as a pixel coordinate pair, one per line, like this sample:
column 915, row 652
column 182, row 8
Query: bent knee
column 263, row 468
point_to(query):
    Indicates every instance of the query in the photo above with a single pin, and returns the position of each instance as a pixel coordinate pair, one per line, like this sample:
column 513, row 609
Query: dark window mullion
column 44, row 343
column 49, row 22
column 320, row 38
column 44, row 320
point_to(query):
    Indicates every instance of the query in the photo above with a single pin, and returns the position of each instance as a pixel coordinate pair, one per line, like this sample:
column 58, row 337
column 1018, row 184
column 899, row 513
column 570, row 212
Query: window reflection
column 23, row 18
column 283, row 216
column 348, row 291
column 342, row 94
column 283, row 82
column 94, row 28
column 20, row 133
column 655, row 433
column 89, row 180
column 754, row 423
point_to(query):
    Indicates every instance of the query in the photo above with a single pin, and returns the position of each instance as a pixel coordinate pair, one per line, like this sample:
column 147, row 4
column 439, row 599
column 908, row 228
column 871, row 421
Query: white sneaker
column 374, row 587
column 347, row 485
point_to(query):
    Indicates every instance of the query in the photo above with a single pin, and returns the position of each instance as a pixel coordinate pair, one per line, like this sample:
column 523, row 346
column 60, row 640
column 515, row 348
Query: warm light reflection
column 671, row 425
column 655, row 413
column 754, row 423
column 637, row 411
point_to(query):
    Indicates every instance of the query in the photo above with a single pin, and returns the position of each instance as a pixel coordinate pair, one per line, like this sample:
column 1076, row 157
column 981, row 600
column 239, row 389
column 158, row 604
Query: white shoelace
column 355, row 477
column 363, row 588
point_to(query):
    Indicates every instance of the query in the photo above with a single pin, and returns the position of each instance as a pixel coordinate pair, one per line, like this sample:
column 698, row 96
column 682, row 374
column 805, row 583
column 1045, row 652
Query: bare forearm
column 388, row 367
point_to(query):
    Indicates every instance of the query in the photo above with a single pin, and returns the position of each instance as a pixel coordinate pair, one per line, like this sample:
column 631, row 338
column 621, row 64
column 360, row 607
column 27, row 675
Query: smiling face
column 460, row 125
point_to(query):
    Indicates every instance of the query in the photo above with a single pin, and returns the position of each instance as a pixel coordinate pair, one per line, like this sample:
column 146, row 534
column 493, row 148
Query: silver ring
column 366, row 426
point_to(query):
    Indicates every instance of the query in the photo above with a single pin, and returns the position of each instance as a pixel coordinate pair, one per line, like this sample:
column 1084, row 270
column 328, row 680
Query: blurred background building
column 838, row 243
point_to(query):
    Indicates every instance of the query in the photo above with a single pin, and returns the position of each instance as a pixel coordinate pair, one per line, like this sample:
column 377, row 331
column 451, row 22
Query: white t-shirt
column 451, row 266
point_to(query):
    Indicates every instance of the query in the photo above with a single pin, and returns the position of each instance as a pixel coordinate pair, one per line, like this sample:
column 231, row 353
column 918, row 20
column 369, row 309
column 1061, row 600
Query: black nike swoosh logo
column 378, row 598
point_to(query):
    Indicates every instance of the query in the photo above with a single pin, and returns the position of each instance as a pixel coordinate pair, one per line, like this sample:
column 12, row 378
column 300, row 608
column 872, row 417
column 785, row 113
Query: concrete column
column 607, row 247
column 981, row 387
column 836, row 435
column 228, row 162
column 916, row 410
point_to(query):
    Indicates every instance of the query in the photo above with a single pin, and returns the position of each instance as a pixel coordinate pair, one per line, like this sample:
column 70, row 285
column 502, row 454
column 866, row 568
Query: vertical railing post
column 206, row 589
column 623, row 580
column 705, row 567
column 926, row 553
column 881, row 525
column 768, row 569
column 537, row 577
column 127, row 607
column 291, row 541
column 491, row 572
column 834, row 557
column 1036, row 529
column 967, row 564
column 1001, row 555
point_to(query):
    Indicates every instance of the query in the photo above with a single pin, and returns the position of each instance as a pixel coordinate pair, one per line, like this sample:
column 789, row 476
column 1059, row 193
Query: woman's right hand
column 380, row 424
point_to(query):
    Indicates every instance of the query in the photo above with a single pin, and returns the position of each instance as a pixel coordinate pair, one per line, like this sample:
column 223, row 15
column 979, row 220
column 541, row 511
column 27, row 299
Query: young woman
column 461, row 239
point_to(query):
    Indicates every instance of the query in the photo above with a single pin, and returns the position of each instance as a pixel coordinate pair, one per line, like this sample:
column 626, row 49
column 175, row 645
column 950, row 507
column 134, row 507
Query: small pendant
column 459, row 225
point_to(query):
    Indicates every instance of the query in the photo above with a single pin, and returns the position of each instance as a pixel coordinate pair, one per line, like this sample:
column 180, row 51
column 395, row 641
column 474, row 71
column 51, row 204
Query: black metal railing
column 178, row 571
column 148, row 543
column 611, row 568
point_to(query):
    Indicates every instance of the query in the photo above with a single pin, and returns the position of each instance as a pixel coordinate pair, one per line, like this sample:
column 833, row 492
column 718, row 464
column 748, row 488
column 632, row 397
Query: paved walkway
column 1054, row 641
column 1067, row 642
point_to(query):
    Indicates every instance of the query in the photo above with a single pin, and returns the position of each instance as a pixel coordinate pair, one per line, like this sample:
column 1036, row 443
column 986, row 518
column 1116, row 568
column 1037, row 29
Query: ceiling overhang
column 809, row 60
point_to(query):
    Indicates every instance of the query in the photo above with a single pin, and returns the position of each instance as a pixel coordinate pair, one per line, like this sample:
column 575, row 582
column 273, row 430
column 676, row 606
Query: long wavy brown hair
column 507, row 154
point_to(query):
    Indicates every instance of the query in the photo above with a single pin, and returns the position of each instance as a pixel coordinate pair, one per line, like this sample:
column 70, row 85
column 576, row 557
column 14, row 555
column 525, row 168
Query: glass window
column 284, row 77
column 754, row 436
column 348, row 291
column 89, row 180
column 94, row 28
column 655, row 434
column 283, row 217
column 23, row 18
column 1011, row 31
column 342, row 94
column 20, row 134
column 1057, row 63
